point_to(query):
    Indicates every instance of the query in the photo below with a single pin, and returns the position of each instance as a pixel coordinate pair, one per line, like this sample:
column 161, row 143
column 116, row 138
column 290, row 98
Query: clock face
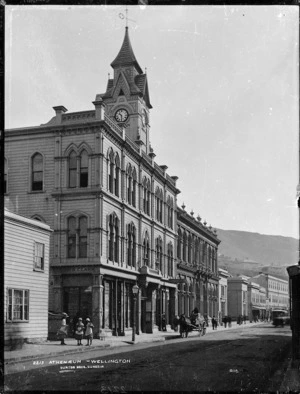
column 121, row 115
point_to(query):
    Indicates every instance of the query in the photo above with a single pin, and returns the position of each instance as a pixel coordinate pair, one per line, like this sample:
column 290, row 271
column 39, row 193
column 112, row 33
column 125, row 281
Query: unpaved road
column 249, row 359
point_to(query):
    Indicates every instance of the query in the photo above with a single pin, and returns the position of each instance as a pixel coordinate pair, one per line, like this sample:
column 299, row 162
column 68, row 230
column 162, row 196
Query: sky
column 223, row 83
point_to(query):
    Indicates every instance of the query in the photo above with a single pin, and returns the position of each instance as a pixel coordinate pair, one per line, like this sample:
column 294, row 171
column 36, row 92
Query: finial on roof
column 108, row 75
column 145, row 70
column 183, row 206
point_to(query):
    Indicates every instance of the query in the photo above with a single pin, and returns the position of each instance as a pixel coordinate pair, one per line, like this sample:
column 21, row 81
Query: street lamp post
column 135, row 290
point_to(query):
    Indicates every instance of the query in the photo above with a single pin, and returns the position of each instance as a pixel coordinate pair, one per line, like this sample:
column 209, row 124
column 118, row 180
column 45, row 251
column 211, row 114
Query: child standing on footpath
column 89, row 331
column 79, row 331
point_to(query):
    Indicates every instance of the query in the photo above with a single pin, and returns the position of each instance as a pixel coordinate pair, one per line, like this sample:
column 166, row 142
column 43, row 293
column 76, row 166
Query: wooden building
column 26, row 278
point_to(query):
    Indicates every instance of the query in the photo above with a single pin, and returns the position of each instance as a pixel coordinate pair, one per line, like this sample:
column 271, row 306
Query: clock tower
column 126, row 99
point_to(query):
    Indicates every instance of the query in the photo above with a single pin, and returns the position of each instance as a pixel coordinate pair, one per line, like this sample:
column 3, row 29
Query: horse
column 184, row 326
column 199, row 321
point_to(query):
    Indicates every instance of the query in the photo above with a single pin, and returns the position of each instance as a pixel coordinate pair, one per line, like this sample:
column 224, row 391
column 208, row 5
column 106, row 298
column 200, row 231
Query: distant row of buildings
column 254, row 297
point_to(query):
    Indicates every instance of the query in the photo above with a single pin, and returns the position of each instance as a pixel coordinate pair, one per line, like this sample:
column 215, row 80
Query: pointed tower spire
column 126, row 56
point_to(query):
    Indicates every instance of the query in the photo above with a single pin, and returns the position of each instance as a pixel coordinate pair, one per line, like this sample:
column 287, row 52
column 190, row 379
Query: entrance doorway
column 78, row 301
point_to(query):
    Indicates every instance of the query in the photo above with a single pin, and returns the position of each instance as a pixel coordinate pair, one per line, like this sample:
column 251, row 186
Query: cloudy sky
column 223, row 84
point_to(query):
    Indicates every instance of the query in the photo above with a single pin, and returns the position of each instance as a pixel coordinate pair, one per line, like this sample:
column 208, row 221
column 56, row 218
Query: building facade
column 238, row 297
column 257, row 306
column 26, row 277
column 197, row 265
column 92, row 177
column 223, row 293
column 277, row 292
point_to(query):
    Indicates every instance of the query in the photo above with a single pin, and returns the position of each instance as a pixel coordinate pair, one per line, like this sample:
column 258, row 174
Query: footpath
column 44, row 350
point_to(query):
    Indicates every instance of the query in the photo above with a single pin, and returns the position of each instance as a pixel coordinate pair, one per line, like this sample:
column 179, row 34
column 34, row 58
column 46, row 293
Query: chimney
column 59, row 111
column 99, row 108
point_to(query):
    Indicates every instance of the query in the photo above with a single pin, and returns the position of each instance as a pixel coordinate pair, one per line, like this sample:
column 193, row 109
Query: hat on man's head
column 65, row 314
column 87, row 319
column 80, row 318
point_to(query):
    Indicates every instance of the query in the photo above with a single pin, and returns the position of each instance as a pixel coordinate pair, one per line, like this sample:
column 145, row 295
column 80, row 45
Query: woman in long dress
column 62, row 333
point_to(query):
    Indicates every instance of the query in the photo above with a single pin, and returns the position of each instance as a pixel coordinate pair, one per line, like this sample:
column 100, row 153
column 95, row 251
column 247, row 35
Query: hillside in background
column 248, row 253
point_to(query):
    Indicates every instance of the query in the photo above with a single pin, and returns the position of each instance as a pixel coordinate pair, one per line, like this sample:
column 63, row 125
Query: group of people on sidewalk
column 80, row 330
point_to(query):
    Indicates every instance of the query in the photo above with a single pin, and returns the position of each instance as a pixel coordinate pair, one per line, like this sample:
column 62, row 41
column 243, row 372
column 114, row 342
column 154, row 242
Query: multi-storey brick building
column 238, row 296
column 197, row 266
column 223, row 293
column 92, row 177
column 277, row 291
column 257, row 307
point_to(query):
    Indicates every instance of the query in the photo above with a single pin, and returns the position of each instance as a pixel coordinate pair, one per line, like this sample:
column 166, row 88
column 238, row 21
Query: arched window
column 111, row 170
column 146, row 195
column 72, row 237
column 170, row 260
column 84, row 169
column 159, row 205
column 39, row 218
column 146, row 250
column 133, row 199
column 129, row 184
column 196, row 258
column 131, row 246
column 117, row 175
column 205, row 254
column 179, row 245
column 170, row 212
column 5, row 184
column 72, row 169
column 83, row 236
column 159, row 255
column 37, row 172
column 184, row 246
column 189, row 248
column 113, row 238
column 117, row 240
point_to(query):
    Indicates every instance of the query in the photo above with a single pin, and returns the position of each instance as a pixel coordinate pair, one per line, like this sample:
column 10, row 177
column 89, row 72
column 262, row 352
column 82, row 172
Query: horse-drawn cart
column 195, row 322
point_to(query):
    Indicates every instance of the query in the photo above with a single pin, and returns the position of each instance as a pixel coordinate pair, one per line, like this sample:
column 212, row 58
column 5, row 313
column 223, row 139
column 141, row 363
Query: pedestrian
column 225, row 321
column 63, row 330
column 194, row 316
column 75, row 321
column 229, row 321
column 176, row 323
column 163, row 322
column 214, row 323
column 79, row 331
column 89, row 331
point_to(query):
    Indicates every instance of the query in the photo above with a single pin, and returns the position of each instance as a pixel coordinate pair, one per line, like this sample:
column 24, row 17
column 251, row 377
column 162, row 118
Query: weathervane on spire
column 122, row 16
